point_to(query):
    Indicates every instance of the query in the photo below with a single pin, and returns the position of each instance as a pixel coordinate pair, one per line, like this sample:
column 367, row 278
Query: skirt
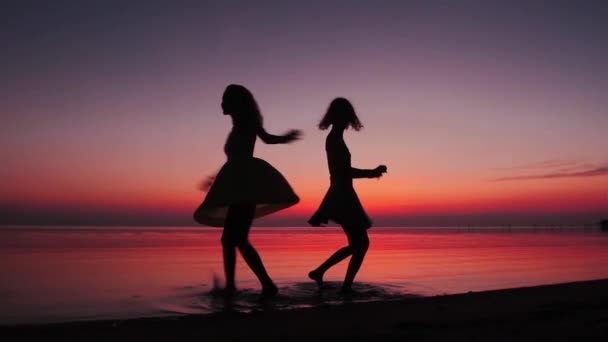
column 341, row 205
column 245, row 181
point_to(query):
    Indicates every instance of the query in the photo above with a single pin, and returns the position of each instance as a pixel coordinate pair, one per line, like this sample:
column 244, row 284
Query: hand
column 292, row 135
column 380, row 170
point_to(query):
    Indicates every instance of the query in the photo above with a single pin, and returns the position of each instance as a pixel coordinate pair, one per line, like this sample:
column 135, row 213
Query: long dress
column 244, row 179
column 341, row 203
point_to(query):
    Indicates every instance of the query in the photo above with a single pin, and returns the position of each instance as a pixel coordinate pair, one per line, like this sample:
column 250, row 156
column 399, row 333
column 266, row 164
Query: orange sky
column 475, row 111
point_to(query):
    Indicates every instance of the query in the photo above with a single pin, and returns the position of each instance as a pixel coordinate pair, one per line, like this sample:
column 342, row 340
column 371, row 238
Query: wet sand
column 563, row 312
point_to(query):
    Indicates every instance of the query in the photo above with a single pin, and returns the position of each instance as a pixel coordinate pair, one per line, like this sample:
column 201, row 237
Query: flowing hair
column 246, row 108
column 340, row 110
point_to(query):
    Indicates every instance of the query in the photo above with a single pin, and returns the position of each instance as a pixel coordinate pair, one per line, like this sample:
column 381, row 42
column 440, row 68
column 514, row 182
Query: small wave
column 205, row 300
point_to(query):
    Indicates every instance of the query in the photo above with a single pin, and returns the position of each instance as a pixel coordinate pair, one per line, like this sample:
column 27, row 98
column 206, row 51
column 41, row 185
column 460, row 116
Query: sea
column 52, row 274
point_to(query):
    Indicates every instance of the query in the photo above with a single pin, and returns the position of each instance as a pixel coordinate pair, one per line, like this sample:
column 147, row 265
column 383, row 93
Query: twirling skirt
column 245, row 181
column 341, row 205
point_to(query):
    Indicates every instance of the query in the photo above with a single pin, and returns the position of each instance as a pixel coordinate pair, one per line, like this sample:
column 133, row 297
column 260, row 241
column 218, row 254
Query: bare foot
column 347, row 290
column 317, row 277
column 229, row 291
column 269, row 290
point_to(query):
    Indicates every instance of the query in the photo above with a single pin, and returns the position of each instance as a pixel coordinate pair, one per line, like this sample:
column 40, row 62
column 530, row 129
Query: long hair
column 246, row 110
column 340, row 110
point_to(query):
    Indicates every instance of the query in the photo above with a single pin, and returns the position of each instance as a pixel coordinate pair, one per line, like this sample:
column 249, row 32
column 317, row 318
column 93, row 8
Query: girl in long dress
column 341, row 203
column 245, row 187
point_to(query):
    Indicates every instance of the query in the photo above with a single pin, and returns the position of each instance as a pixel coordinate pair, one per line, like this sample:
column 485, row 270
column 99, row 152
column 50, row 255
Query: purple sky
column 110, row 109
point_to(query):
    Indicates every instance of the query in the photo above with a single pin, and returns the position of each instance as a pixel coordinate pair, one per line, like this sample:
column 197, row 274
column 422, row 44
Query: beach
column 562, row 312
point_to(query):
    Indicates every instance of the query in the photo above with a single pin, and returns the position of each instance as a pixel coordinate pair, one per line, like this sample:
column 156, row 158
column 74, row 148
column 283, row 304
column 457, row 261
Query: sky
column 485, row 112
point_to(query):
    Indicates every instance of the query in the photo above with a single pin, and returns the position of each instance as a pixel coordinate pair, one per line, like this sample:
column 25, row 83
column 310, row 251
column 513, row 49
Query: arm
column 277, row 139
column 364, row 173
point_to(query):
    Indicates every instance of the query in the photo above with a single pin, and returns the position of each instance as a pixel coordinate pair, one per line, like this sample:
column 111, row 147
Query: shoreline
column 568, row 311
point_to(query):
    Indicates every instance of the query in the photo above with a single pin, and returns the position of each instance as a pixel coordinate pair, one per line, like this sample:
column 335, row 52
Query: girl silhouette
column 341, row 203
column 245, row 187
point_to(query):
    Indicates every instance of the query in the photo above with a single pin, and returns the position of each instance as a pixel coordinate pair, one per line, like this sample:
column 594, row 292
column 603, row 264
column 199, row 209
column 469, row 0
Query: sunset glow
column 481, row 114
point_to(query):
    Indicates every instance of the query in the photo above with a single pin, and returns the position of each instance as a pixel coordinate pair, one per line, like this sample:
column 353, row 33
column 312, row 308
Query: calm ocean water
column 52, row 274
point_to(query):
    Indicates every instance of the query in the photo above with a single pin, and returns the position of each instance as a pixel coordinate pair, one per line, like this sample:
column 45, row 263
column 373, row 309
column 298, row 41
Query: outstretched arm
column 362, row 173
column 368, row 173
column 278, row 139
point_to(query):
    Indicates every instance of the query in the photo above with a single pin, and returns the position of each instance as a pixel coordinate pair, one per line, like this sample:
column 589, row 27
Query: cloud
column 577, row 168
column 600, row 171
column 547, row 164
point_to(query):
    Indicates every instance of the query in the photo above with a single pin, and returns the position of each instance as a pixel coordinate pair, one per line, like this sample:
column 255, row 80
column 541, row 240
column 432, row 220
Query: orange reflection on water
column 108, row 272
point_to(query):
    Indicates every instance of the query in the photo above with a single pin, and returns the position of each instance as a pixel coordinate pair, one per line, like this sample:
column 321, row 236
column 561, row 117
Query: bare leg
column 230, row 237
column 339, row 255
column 359, row 242
column 252, row 258
column 244, row 218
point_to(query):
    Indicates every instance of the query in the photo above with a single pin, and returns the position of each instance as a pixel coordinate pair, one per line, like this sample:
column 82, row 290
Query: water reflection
column 202, row 299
